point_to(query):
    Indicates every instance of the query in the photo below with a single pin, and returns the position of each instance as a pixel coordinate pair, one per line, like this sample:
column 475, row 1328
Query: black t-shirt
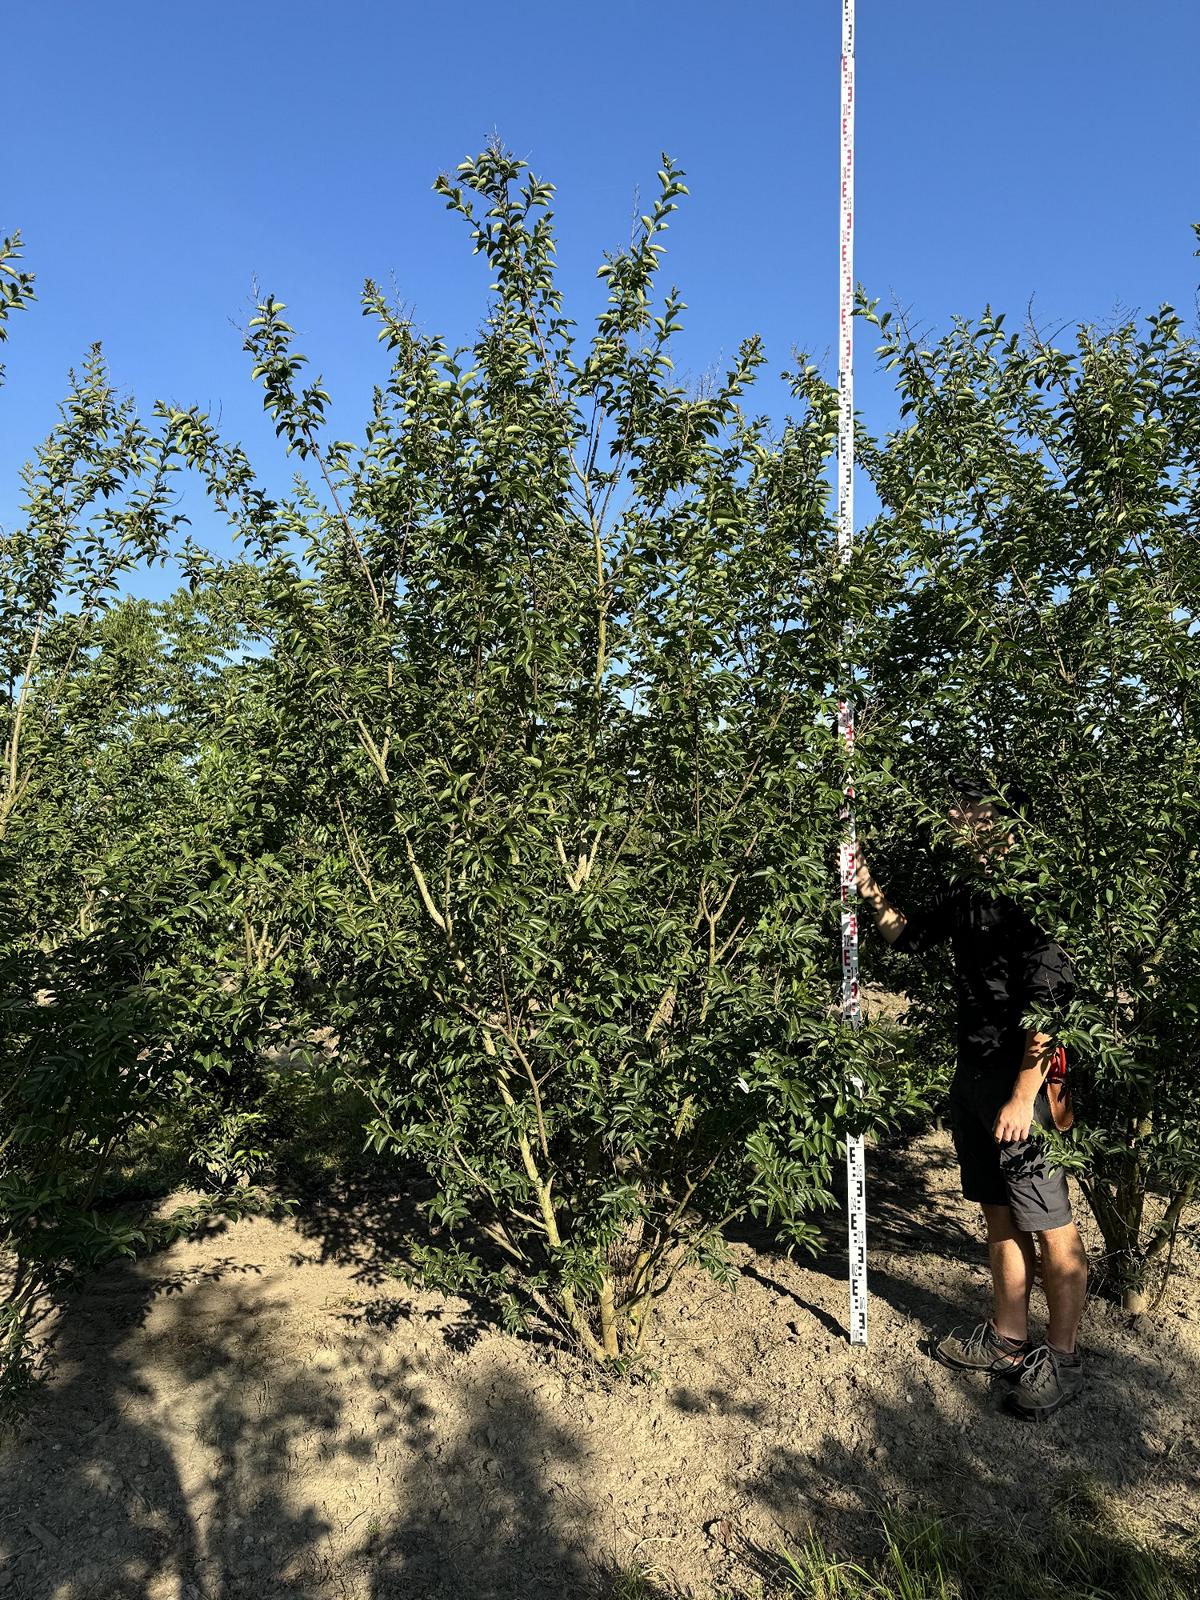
column 1003, row 965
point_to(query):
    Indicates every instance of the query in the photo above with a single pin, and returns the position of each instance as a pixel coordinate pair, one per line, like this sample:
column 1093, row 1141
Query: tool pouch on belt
column 1058, row 1092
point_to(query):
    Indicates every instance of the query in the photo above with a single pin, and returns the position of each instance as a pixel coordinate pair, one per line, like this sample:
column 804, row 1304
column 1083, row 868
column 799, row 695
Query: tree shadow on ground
column 907, row 1216
column 367, row 1219
column 364, row 1214
column 104, row 1497
column 944, row 1443
column 85, row 1489
column 459, row 1479
column 492, row 1510
column 104, row 1494
column 968, row 1462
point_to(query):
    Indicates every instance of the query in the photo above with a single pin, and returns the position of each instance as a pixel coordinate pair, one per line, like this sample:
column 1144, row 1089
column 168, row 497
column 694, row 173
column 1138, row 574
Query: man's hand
column 1014, row 1121
column 1016, row 1115
column 863, row 880
column 888, row 920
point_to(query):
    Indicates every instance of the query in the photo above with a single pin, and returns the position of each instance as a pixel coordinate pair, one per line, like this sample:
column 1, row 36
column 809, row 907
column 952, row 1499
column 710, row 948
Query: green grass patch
column 1085, row 1554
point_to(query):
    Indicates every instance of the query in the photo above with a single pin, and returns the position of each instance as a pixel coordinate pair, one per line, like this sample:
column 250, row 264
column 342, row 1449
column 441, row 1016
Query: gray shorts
column 1018, row 1175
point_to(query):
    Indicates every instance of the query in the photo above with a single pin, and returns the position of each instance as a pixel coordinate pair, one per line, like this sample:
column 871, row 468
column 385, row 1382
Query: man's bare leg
column 1053, row 1374
column 1014, row 1263
column 1064, row 1278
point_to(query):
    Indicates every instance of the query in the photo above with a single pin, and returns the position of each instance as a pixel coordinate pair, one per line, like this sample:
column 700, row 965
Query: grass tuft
column 1085, row 1554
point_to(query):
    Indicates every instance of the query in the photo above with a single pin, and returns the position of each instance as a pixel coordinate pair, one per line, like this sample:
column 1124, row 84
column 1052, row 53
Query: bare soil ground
column 265, row 1411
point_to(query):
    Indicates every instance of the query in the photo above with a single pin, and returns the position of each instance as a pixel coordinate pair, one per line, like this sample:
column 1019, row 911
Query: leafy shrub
column 1039, row 522
column 554, row 669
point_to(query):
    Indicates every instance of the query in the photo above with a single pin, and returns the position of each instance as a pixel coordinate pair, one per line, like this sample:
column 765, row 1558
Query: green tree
column 1040, row 520
column 549, row 657
column 115, row 949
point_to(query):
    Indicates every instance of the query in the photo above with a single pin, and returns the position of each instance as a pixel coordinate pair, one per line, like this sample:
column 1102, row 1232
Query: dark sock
column 1011, row 1344
column 1070, row 1357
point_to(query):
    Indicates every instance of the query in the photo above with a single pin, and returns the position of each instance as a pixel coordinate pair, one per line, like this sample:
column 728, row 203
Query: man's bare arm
column 888, row 920
column 1015, row 1118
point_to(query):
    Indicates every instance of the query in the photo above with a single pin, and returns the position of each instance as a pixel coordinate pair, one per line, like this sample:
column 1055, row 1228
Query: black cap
column 1010, row 797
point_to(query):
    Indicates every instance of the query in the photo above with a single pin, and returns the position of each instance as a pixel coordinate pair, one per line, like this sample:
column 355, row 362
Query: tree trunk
column 1112, row 1214
column 642, row 1303
column 608, row 1319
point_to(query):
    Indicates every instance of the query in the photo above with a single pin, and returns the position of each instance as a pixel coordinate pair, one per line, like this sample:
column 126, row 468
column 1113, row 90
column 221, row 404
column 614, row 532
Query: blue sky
column 158, row 159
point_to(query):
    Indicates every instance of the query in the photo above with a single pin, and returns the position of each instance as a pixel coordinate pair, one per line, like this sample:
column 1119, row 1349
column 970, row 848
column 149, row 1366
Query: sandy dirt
column 265, row 1411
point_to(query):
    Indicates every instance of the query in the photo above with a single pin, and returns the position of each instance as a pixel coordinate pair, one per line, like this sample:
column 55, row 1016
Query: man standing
column 1003, row 966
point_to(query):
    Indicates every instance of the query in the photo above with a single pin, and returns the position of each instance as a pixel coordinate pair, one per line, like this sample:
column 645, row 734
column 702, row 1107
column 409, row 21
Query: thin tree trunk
column 641, row 1303
column 608, row 1319
column 1165, row 1229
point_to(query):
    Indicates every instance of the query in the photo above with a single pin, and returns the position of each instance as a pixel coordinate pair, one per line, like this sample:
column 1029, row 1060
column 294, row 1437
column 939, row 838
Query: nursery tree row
column 490, row 786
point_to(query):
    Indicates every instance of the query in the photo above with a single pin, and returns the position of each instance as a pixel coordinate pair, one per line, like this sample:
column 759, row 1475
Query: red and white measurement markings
column 856, row 1171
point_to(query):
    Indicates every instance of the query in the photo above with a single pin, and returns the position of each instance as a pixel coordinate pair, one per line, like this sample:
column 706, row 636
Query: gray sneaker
column 983, row 1350
column 1047, row 1381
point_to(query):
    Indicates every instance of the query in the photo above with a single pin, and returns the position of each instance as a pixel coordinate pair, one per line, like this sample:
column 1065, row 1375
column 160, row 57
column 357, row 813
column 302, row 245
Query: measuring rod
column 856, row 1162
